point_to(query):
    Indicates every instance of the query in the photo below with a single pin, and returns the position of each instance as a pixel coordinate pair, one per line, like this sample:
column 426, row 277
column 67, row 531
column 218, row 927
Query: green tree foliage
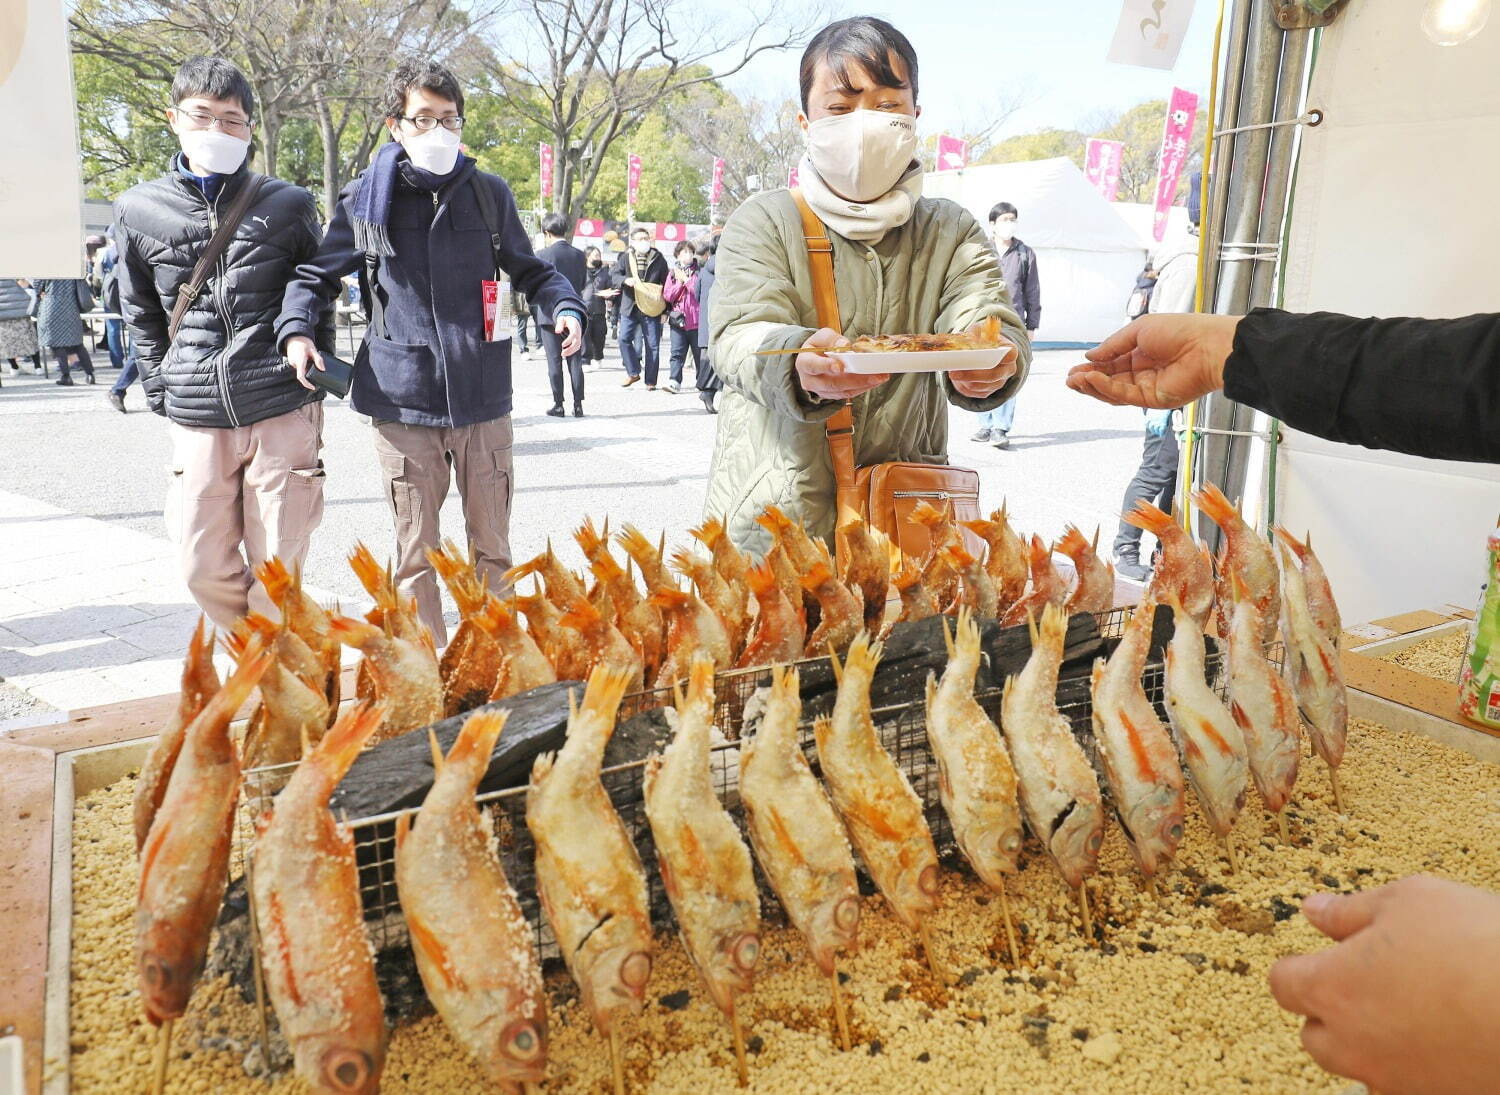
column 1044, row 144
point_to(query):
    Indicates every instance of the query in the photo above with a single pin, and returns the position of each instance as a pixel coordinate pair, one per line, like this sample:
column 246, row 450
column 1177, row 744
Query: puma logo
column 266, row 221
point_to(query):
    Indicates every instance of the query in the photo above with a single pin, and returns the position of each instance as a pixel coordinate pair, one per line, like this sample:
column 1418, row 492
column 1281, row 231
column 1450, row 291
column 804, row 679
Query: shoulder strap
column 840, row 428
column 491, row 214
column 217, row 243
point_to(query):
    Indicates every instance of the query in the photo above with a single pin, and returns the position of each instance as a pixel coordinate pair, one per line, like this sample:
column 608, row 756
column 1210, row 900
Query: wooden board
column 1404, row 686
column 1412, row 621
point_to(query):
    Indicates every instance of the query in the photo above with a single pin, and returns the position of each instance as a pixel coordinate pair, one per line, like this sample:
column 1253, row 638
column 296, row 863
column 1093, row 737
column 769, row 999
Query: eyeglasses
column 426, row 123
column 202, row 119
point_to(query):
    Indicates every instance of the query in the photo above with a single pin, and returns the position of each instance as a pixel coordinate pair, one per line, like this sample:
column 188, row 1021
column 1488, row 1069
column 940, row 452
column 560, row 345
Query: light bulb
column 1449, row 22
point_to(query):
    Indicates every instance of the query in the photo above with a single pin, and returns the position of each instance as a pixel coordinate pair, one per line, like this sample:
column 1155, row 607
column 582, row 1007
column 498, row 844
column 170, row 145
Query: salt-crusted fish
column 307, row 619
column 562, row 585
column 1182, row 571
column 976, row 590
column 864, row 566
column 603, row 644
column 1262, row 705
column 938, row 574
column 728, row 602
column 199, row 682
column 563, row 646
column 1246, row 555
column 523, row 666
column 293, row 710
column 692, row 629
column 471, row 660
column 841, row 614
column 777, row 637
column 1048, row 587
column 405, row 674
column 1320, row 602
column 1095, row 589
column 1314, row 667
column 1006, row 559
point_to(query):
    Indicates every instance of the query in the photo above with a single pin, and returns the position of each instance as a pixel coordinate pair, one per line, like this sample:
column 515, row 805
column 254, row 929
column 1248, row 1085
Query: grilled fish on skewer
column 792, row 556
column 732, row 564
column 776, row 638
column 293, row 711
column 199, row 682
column 864, row 566
column 471, row 660
column 1262, row 705
column 1006, row 559
column 637, row 620
column 523, row 666
column 796, row 834
column 976, row 589
column 473, row 945
column 1182, row 571
column 718, row 594
column 395, row 614
column 1212, row 746
column 1315, row 669
column 938, row 574
column 1095, row 590
column 308, row 619
column 1320, row 602
column 881, row 812
column 1140, row 765
column 791, row 584
column 916, row 599
column 1246, row 554
column 603, row 644
column 589, row 877
column 692, row 628
column 185, row 859
column 840, row 613
column 563, row 586
column 320, row 971
column 1047, row 587
column 405, row 675
column 647, row 558
column 563, row 646
column 1058, row 790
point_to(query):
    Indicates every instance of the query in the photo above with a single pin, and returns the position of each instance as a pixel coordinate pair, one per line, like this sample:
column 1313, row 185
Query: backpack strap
column 490, row 211
column 218, row 243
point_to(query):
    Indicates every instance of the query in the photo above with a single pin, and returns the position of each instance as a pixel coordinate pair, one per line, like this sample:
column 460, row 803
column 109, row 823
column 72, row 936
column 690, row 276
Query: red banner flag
column 633, row 181
column 667, row 232
column 546, row 158
column 589, row 229
column 1102, row 166
column 716, row 190
column 1176, row 141
column 952, row 153
column 791, row 178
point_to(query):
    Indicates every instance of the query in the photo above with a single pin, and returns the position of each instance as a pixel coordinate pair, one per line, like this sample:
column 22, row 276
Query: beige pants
column 415, row 461
column 239, row 496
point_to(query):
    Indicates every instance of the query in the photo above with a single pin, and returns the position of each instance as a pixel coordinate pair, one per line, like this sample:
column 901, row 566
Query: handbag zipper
column 945, row 495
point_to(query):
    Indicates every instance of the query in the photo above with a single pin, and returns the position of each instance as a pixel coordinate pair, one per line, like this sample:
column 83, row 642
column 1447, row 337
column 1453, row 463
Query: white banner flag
column 1150, row 33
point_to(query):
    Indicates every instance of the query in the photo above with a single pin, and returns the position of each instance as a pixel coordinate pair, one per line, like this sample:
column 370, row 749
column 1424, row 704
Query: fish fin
column 403, row 828
column 476, row 740
column 774, row 521
column 815, row 577
column 372, row 576
column 347, row 737
column 762, row 578
column 863, row 655
column 603, row 693
column 958, row 556
column 1031, row 626
column 1072, row 544
column 670, row 599
column 1237, row 587
column 927, row 515
column 948, row 635
column 436, row 750
column 582, row 616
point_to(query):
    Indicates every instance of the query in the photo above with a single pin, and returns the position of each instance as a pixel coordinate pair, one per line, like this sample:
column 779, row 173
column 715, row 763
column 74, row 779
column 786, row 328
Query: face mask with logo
column 1005, row 231
column 215, row 152
column 435, row 151
column 861, row 155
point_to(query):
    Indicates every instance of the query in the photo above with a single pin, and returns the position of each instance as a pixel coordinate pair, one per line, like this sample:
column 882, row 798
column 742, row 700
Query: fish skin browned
column 1314, row 668
column 938, row 574
column 471, row 660
column 637, row 620
column 1058, row 790
column 864, row 566
column 563, row 646
column 1095, row 589
column 319, row 965
column 777, row 638
column 1048, row 587
column 1264, row 709
column 976, row 780
column 405, row 674
column 199, row 682
column 1182, row 571
column 293, row 708
column 588, row 873
column 1135, row 751
column 881, row 812
column 916, row 599
column 1212, row 746
column 718, row 594
column 562, row 585
column 185, row 860
column 1246, row 555
column 648, row 560
column 732, row 564
column 474, row 948
column 523, row 666
column 1006, row 559
column 977, row 590
column 705, row 865
column 1324, row 609
column 603, row 643
column 395, row 614
column 692, row 628
column 308, row 619
column 840, row 612
column 797, row 836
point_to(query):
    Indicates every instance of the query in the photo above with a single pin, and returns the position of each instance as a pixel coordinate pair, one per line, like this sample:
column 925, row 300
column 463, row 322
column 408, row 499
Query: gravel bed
column 1440, row 657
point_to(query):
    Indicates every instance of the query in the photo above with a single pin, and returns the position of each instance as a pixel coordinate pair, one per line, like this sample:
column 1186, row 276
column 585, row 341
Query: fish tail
column 605, row 568
column 345, row 739
column 352, row 632
column 602, row 695
column 198, row 668
column 958, row 556
column 701, row 681
column 522, row 570
column 863, row 656
column 1053, row 628
column 1299, row 548
column 253, row 660
column 685, row 562
column 966, row 641
column 1148, row 518
column 590, row 540
column 1074, row 544
column 494, row 616
column 906, row 577
column 815, row 577
column 985, row 530
column 370, row 573
column 1040, row 555
column 1212, row 501
column 670, row 599
column 927, row 515
column 637, row 546
column 476, row 741
column 709, row 533
column 774, row 521
column 582, row 616
column 279, row 581
column 762, row 579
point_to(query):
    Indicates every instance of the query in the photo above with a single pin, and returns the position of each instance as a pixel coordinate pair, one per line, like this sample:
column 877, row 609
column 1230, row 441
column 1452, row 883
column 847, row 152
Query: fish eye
column 346, row 1069
column 635, row 971
column 1174, row 832
column 846, row 914
column 746, row 951
column 1096, row 840
column 1011, row 841
column 157, row 973
column 522, row 1041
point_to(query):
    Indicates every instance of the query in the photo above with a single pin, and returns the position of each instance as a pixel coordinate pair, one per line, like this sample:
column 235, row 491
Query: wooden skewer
column 739, row 1047
column 1286, row 836
column 1010, row 930
column 1338, row 792
column 163, row 1048
column 1234, row 863
column 1083, row 905
column 933, row 964
column 530, row 1087
column 1151, row 888
column 615, row 1062
column 789, row 353
column 838, row 1006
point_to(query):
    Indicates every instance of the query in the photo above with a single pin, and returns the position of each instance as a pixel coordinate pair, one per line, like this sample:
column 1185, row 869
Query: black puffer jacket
column 224, row 369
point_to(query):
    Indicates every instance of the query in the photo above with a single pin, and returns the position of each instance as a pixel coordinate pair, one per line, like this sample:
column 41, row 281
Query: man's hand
column 978, row 383
column 1158, row 361
column 300, row 352
column 571, row 332
column 607, row 293
column 630, row 282
column 825, row 377
column 1405, row 1002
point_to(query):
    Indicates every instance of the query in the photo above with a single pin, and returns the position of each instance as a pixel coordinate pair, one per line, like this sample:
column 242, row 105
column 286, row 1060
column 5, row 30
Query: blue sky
column 1056, row 50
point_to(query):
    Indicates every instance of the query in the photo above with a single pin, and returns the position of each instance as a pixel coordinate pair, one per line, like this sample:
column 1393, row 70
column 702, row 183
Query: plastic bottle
column 1479, row 683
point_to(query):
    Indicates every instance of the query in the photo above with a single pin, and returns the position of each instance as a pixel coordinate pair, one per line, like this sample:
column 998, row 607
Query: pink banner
column 633, row 181
column 546, row 158
column 1176, row 142
column 716, row 191
column 667, row 232
column 590, row 229
column 1102, row 166
column 952, row 153
column 791, row 178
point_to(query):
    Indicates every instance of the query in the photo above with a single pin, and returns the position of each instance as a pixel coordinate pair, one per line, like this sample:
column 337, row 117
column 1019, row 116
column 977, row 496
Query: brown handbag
column 883, row 494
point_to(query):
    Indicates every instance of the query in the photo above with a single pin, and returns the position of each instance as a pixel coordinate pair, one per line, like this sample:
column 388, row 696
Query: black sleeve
column 307, row 304
column 1428, row 387
column 1032, row 292
column 544, row 287
column 143, row 312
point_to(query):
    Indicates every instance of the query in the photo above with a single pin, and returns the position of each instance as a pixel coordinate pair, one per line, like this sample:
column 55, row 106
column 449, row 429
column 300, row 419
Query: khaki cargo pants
column 239, row 496
column 416, row 462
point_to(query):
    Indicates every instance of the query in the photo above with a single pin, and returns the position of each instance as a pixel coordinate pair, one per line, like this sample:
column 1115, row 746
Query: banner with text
column 716, row 191
column 952, row 153
column 1150, row 32
column 791, row 178
column 1176, row 141
column 1102, row 166
column 633, row 181
column 546, row 165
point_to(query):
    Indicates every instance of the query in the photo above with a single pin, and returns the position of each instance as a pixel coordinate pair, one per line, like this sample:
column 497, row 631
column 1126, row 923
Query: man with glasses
column 246, row 481
column 434, row 237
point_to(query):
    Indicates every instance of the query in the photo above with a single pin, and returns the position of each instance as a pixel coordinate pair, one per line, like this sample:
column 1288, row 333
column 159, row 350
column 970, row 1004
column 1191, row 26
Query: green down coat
column 935, row 274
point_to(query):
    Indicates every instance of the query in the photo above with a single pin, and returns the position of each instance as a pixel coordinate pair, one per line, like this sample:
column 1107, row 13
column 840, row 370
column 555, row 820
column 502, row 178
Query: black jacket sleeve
column 1428, row 387
column 307, row 303
column 1031, row 294
column 546, row 289
column 143, row 312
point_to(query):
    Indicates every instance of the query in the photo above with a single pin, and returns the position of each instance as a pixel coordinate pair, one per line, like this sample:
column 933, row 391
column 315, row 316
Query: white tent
column 1140, row 216
column 1087, row 257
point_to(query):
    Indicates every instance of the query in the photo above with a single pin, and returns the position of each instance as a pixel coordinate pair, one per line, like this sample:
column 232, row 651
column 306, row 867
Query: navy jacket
column 568, row 261
column 431, row 365
column 1018, row 264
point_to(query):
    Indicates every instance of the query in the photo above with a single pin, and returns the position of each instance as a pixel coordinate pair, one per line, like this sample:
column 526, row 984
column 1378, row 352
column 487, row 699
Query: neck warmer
column 371, row 211
column 867, row 222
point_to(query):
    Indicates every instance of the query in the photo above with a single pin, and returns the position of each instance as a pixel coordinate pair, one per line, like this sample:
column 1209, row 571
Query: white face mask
column 861, row 155
column 1005, row 231
column 435, row 151
column 212, row 151
column 641, row 247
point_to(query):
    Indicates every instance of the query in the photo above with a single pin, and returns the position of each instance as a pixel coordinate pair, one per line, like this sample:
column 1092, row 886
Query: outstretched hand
column 1159, row 361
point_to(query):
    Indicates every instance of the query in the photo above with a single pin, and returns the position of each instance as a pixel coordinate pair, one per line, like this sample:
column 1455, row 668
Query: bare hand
column 825, row 377
column 572, row 333
column 630, row 282
column 979, row 383
column 1158, row 361
column 300, row 352
column 1405, row 1002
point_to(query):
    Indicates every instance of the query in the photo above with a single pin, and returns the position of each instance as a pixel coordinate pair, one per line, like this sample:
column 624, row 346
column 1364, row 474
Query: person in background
column 17, row 332
column 60, row 305
column 109, row 298
column 522, row 312
column 568, row 261
column 598, row 291
column 709, row 383
column 640, row 334
column 437, row 390
column 681, row 293
column 614, row 247
column 1018, row 264
column 131, row 372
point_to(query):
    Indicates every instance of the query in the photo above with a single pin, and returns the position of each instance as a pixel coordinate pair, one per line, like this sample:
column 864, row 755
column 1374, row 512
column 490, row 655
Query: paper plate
column 921, row 361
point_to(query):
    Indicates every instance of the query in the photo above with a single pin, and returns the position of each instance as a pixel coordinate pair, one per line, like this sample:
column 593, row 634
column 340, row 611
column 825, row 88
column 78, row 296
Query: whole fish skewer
column 916, row 598
column 976, row 780
column 977, row 590
column 471, row 660
column 405, row 673
column 473, row 946
column 648, row 559
column 1182, row 571
column 1058, row 790
column 523, row 666
column 880, row 810
column 705, row 865
column 732, row 564
column 1245, row 555
column 864, row 566
column 841, row 614
column 199, row 682
column 604, row 644
column 692, row 628
column 637, row 620
column 938, row 573
column 718, row 594
column 1006, row 558
column 1095, row 589
column 563, row 646
column 1047, row 586
column 1263, row 707
column 797, row 836
column 1320, row 602
column 563, row 586
column 1213, row 748
column 1316, row 674
column 791, row 585
column 777, row 638
column 397, row 615
column 308, row 619
column 792, row 556
column 1135, row 752
column 293, row 711
column 319, row 968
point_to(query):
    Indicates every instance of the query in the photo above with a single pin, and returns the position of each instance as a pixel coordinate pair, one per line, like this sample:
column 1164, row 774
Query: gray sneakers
column 981, row 434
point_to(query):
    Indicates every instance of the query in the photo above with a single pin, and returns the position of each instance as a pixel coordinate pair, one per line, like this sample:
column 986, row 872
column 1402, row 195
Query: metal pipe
column 1221, row 165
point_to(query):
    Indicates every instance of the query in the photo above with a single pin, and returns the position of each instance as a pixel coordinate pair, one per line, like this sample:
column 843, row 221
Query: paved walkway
column 92, row 610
